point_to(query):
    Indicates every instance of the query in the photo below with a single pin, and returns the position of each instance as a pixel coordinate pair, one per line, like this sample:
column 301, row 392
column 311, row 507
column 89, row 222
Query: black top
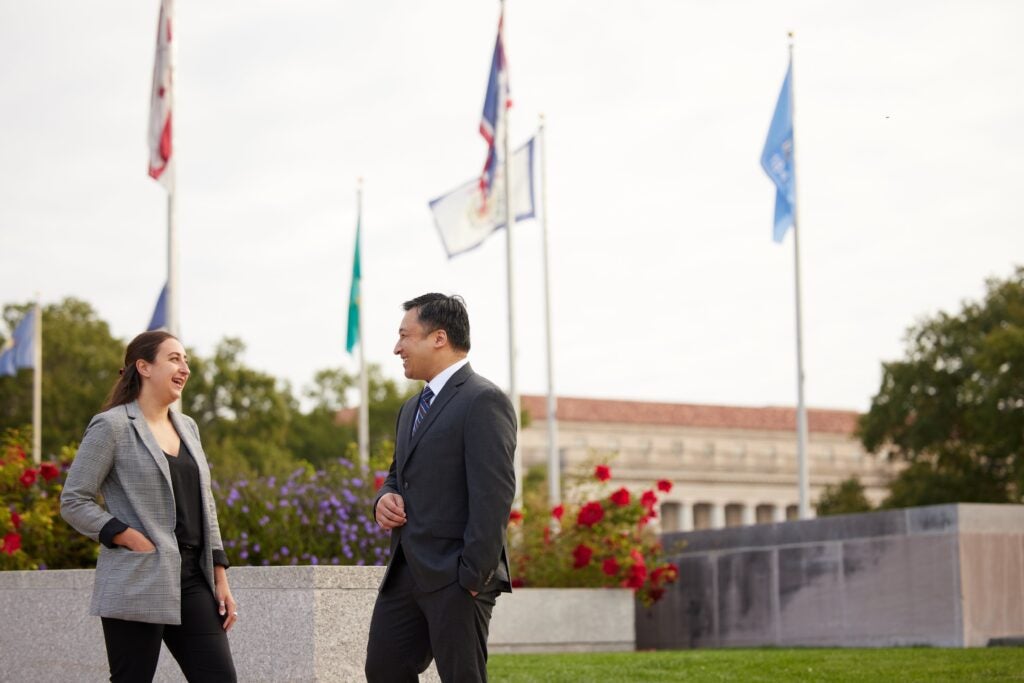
column 188, row 504
column 188, row 507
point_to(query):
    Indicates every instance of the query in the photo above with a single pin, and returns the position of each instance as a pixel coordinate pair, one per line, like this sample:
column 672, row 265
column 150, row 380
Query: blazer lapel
column 188, row 438
column 451, row 388
column 142, row 428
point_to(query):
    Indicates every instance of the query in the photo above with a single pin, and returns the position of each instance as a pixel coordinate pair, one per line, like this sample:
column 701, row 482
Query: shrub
column 32, row 534
column 603, row 541
column 315, row 516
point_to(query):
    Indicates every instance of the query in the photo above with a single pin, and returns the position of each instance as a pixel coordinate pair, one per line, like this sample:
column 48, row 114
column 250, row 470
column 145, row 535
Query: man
column 446, row 501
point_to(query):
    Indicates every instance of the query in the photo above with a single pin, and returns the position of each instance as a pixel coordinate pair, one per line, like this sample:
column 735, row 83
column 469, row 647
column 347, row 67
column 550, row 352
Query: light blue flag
column 777, row 159
column 20, row 351
column 159, row 319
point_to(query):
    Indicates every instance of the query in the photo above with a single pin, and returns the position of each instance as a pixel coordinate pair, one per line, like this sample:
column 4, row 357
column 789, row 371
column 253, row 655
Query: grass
column 893, row 664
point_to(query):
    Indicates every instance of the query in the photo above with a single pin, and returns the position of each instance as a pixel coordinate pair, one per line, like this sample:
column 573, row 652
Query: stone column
column 717, row 516
column 748, row 514
column 779, row 512
column 685, row 516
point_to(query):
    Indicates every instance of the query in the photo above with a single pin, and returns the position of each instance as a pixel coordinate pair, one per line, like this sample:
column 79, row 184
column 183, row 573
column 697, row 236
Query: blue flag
column 159, row 319
column 777, row 159
column 20, row 351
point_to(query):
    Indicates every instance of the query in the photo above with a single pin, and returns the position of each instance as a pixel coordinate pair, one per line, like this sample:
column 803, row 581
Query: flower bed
column 601, row 541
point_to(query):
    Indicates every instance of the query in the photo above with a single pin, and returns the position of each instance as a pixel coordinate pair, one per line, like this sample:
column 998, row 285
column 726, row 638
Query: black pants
column 199, row 644
column 409, row 628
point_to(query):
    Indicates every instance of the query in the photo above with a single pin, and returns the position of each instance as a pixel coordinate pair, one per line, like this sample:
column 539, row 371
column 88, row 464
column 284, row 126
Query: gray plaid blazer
column 120, row 458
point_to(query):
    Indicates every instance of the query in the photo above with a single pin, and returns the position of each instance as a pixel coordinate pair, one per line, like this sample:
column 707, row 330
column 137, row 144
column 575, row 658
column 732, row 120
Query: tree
column 243, row 414
column 81, row 360
column 844, row 498
column 954, row 407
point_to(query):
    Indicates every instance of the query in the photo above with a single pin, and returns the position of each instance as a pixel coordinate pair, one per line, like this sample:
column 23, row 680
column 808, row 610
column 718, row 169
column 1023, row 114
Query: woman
column 162, row 572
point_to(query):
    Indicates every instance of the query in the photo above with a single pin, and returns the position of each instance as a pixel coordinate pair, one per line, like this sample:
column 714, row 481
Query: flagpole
column 554, row 463
column 513, row 387
column 37, row 385
column 801, row 411
column 364, row 380
column 173, row 299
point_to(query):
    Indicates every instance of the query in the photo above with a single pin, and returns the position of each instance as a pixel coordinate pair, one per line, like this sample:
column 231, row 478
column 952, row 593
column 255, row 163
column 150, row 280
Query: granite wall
column 945, row 575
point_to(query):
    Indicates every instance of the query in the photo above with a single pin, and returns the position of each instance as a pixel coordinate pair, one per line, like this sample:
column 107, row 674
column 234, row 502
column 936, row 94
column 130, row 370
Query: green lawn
column 895, row 664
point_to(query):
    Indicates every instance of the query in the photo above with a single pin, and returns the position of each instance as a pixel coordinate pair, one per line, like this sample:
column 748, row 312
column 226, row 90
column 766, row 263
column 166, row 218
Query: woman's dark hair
column 143, row 347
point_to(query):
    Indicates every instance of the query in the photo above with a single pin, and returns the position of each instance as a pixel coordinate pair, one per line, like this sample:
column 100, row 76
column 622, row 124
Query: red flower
column 49, row 471
column 558, row 511
column 12, row 543
column 602, row 473
column 656, row 594
column 664, row 485
column 610, row 566
column 649, row 499
column 637, row 557
column 581, row 556
column 15, row 520
column 518, row 582
column 590, row 514
column 635, row 576
column 515, row 517
column 28, row 477
column 378, row 481
column 621, row 497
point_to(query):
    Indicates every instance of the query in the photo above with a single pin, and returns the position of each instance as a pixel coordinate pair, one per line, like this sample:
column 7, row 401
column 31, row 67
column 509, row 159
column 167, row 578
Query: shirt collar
column 437, row 384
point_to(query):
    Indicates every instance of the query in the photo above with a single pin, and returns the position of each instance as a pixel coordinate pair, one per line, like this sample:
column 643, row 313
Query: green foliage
column 243, row 414
column 32, row 534
column 844, row 498
column 600, row 541
column 80, row 364
column 320, row 436
column 954, row 407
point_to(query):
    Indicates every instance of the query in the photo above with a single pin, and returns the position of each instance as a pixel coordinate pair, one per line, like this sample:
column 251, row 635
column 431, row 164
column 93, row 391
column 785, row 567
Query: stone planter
column 563, row 620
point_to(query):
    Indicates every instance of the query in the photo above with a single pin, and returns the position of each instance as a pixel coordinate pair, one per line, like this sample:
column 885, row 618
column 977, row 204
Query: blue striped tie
column 423, row 407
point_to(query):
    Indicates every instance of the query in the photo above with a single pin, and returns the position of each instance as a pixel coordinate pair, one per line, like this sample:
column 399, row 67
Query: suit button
column 406, row 484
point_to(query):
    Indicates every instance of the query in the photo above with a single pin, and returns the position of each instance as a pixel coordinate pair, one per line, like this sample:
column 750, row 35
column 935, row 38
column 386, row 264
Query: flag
column 465, row 218
column 159, row 319
column 161, row 100
column 353, row 295
column 777, row 159
column 20, row 350
column 492, row 122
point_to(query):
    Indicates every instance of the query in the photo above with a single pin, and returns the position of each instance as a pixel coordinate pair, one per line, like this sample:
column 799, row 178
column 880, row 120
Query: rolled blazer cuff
column 220, row 559
column 111, row 529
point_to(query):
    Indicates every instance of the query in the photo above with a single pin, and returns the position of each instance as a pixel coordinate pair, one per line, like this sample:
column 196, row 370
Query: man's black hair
column 443, row 312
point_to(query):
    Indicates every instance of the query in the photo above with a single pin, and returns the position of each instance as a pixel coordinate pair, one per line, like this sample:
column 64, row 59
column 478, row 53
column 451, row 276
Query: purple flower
column 264, row 520
column 245, row 509
column 256, row 547
column 244, row 555
column 285, row 551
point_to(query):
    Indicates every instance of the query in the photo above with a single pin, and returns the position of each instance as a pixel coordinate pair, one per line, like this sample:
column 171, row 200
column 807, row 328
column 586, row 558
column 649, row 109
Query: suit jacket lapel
column 405, row 418
column 142, row 428
column 451, row 388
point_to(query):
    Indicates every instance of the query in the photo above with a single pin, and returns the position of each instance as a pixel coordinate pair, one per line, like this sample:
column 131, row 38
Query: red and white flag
column 161, row 101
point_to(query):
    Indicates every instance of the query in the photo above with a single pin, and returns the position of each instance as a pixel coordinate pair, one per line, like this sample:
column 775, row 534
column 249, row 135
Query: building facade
column 729, row 465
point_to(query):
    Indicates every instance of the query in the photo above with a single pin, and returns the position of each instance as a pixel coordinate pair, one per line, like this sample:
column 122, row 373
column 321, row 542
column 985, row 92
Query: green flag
column 353, row 297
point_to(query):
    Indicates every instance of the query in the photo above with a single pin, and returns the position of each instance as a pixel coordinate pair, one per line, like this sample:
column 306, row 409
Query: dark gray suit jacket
column 120, row 458
column 457, row 478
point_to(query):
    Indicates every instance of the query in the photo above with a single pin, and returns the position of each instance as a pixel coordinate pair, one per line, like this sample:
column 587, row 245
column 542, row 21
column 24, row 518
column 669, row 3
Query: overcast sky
column 666, row 284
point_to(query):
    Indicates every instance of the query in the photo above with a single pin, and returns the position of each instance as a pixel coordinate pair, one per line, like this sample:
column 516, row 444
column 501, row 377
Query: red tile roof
column 690, row 415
